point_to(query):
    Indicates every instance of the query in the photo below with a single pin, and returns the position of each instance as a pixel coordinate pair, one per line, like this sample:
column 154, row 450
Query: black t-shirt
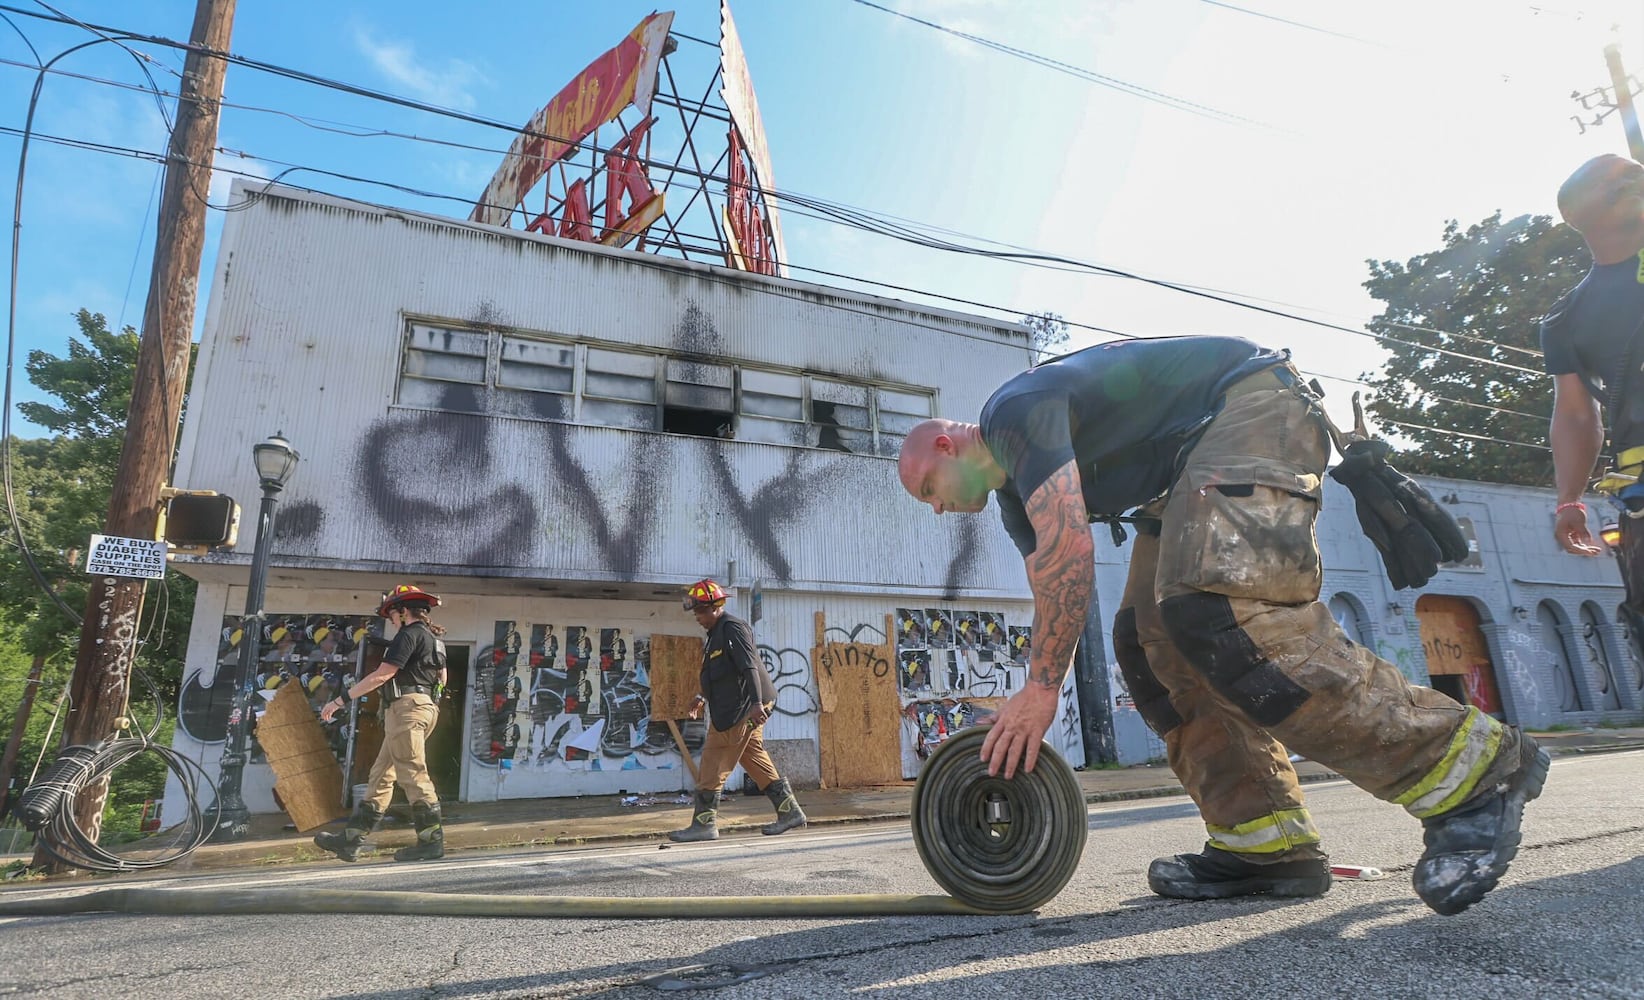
column 734, row 679
column 1124, row 410
column 1587, row 334
column 418, row 653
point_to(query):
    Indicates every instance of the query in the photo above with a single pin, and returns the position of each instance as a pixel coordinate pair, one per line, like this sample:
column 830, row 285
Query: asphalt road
column 1566, row 922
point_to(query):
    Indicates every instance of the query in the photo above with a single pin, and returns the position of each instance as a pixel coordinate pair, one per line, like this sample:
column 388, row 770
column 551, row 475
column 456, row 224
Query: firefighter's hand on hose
column 1410, row 530
column 1017, row 730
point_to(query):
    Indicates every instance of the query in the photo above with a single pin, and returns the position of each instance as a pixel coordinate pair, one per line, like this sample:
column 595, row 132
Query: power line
column 856, row 218
column 859, row 218
column 708, row 243
column 1089, row 76
column 1286, row 20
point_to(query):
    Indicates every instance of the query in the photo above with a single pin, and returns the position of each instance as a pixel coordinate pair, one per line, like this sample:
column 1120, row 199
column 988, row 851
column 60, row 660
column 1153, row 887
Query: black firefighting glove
column 1406, row 525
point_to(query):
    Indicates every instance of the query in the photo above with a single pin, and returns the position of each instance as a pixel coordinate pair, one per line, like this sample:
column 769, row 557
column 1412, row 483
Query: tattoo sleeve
column 1062, row 573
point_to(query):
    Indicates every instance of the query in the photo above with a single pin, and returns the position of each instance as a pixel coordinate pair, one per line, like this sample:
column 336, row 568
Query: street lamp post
column 275, row 460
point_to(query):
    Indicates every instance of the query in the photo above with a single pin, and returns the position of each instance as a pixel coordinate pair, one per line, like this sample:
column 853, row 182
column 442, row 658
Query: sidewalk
column 517, row 823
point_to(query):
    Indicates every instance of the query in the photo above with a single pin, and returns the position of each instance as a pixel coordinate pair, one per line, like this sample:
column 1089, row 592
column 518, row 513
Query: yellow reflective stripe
column 1472, row 749
column 1274, row 833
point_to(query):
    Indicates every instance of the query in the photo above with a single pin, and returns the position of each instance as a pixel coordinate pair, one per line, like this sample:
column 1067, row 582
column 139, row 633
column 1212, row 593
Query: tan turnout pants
column 1234, row 662
column 403, row 757
column 742, row 744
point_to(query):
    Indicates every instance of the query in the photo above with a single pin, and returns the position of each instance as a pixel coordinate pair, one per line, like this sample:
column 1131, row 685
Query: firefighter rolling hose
column 997, row 846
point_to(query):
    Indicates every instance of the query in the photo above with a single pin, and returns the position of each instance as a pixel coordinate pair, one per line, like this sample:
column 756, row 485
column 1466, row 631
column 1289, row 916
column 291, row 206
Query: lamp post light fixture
column 275, row 460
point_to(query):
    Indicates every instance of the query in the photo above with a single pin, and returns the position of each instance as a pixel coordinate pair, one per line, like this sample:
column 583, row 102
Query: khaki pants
column 406, row 725
column 1234, row 662
column 741, row 744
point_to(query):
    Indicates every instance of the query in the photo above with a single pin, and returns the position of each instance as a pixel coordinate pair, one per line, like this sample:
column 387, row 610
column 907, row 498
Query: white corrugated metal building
column 556, row 438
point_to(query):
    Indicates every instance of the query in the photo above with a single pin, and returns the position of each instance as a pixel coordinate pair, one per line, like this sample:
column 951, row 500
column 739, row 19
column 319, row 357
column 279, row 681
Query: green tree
column 1479, row 296
column 60, row 495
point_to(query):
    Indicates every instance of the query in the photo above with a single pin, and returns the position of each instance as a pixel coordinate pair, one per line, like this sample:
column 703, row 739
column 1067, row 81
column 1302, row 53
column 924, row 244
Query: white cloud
column 444, row 82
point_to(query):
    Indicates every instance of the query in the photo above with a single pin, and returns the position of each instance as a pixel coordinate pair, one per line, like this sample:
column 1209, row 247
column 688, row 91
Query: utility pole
column 1624, row 102
column 108, row 636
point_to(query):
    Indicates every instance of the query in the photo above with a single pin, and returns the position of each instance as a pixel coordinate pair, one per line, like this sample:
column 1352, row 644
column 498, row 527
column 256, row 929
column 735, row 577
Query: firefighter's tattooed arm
column 1062, row 573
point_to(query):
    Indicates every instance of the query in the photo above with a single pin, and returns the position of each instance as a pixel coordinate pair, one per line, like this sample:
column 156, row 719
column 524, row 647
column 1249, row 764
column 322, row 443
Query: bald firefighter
column 739, row 696
column 1220, row 634
column 412, row 676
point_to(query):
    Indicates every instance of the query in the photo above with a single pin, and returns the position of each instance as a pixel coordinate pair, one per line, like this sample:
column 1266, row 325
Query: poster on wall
column 953, row 668
column 313, row 652
column 566, row 699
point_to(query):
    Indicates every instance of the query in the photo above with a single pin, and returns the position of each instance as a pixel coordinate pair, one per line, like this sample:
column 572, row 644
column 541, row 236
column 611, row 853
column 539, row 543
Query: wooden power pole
column 108, row 637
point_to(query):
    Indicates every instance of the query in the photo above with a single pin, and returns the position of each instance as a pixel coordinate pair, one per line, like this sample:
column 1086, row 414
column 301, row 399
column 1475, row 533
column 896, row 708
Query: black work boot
column 346, row 845
column 430, row 834
column 1219, row 874
column 1470, row 847
column 788, row 813
column 703, row 814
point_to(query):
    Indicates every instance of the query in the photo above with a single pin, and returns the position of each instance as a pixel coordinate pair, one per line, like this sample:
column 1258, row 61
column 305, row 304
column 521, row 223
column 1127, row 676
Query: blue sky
column 1317, row 135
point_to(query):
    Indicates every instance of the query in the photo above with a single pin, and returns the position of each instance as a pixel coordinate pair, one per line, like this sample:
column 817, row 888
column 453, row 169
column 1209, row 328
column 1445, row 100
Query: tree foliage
column 1470, row 405
column 1047, row 334
column 61, row 487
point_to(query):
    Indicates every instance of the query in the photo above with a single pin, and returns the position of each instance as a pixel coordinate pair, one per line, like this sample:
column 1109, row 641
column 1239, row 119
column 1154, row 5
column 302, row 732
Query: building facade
column 556, row 438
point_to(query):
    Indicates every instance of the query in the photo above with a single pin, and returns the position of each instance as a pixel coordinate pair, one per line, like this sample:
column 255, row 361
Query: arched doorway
column 1458, row 658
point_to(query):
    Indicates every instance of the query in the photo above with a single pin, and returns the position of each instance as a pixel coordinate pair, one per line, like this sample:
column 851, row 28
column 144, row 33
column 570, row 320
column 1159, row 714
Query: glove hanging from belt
column 1408, row 527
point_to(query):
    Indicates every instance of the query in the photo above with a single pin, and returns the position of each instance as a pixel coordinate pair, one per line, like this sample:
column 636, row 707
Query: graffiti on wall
column 568, row 698
column 313, row 651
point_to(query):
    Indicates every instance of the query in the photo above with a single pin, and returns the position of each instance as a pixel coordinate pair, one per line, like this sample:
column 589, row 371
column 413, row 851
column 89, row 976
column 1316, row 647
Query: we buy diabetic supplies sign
column 111, row 555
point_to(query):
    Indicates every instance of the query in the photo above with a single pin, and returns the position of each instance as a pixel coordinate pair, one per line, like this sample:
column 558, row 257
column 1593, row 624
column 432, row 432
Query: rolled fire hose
column 997, row 846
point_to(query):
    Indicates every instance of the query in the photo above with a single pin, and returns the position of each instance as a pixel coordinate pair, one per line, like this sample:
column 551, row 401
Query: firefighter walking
column 412, row 676
column 739, row 696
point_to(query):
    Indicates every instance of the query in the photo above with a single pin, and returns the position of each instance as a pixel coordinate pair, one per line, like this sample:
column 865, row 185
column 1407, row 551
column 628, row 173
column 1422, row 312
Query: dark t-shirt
column 1124, row 410
column 1587, row 334
column 733, row 679
column 418, row 653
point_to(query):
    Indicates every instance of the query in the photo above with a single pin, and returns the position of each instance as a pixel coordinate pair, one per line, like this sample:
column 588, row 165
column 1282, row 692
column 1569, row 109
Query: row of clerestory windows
column 512, row 374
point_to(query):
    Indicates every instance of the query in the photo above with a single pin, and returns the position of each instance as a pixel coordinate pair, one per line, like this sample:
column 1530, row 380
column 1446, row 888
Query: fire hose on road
column 996, row 846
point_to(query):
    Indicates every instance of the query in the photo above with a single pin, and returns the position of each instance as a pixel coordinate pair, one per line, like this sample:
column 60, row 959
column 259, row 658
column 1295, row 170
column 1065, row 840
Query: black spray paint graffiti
column 790, row 672
column 400, row 460
column 456, row 445
column 856, row 633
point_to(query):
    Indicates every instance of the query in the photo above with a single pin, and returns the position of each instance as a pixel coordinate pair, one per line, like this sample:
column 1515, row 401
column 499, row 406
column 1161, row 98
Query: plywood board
column 307, row 778
column 676, row 675
column 861, row 735
column 1450, row 636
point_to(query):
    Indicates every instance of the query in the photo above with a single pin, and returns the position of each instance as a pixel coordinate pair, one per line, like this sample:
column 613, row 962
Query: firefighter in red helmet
column 412, row 677
column 739, row 696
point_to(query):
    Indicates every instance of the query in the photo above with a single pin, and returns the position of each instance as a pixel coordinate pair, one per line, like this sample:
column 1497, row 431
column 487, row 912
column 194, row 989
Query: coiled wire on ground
column 47, row 806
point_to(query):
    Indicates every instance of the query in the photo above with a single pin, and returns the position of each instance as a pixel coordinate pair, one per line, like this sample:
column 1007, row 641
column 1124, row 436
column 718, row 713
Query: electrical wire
column 709, row 244
column 1032, row 258
column 1079, row 72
